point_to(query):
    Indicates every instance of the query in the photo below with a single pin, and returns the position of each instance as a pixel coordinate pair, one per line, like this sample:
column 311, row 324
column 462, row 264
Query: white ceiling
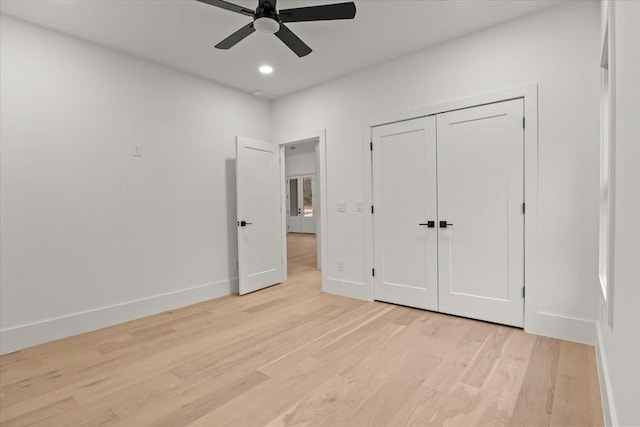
column 182, row 34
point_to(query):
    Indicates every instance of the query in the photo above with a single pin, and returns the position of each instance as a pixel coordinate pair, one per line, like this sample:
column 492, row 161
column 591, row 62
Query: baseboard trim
column 563, row 327
column 347, row 288
column 24, row 336
column 608, row 405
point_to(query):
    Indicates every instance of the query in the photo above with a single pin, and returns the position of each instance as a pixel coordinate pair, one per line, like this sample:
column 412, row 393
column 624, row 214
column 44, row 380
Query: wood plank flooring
column 290, row 355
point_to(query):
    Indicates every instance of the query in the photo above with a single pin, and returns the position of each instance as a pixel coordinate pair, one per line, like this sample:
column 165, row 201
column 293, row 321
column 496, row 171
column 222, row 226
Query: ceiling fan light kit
column 266, row 19
column 266, row 25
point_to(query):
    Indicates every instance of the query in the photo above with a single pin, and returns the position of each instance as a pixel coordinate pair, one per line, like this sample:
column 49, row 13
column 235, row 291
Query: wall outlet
column 136, row 150
column 340, row 265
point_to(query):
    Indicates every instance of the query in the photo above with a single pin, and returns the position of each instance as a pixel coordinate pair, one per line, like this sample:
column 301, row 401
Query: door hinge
column 372, row 209
column 371, row 146
column 523, row 124
column 373, row 271
column 523, row 292
column 523, row 208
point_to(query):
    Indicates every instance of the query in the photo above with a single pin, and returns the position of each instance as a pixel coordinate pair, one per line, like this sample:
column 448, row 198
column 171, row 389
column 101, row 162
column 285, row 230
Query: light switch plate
column 136, row 150
column 342, row 206
column 359, row 205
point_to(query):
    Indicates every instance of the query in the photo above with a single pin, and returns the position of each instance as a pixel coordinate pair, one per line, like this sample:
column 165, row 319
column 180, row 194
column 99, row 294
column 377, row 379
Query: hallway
column 301, row 253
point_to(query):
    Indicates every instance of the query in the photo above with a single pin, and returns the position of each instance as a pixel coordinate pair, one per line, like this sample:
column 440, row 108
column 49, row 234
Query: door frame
column 321, row 191
column 533, row 320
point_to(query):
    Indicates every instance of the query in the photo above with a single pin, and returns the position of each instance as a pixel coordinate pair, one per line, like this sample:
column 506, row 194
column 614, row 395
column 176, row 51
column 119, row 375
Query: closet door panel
column 404, row 189
column 480, row 218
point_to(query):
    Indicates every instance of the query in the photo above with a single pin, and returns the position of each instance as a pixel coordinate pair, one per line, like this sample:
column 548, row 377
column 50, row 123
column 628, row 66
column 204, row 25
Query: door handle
column 430, row 224
column 244, row 223
column 445, row 224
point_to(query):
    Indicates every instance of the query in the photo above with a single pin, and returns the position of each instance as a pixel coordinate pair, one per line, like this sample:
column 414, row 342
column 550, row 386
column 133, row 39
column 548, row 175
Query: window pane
column 293, row 197
column 307, row 195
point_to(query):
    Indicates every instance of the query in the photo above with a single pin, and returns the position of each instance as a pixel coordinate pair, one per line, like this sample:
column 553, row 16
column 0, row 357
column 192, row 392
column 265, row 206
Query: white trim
column 321, row 182
column 564, row 328
column 607, row 145
column 283, row 213
column 367, row 138
column 608, row 404
column 27, row 335
column 347, row 288
column 530, row 90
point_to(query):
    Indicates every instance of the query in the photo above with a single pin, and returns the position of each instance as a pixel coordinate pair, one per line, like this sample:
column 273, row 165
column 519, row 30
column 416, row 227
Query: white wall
column 300, row 164
column 620, row 344
column 90, row 235
column 558, row 49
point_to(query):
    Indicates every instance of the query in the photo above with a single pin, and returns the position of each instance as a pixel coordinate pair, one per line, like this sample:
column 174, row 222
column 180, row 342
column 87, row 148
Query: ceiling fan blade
column 229, row 6
column 292, row 41
column 236, row 37
column 319, row 13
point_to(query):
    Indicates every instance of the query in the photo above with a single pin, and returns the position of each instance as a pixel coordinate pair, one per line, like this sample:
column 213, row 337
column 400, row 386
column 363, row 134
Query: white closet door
column 404, row 194
column 480, row 193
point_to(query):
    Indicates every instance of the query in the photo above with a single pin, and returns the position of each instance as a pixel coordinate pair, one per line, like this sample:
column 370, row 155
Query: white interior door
column 480, row 194
column 307, row 204
column 294, row 211
column 404, row 195
column 259, row 228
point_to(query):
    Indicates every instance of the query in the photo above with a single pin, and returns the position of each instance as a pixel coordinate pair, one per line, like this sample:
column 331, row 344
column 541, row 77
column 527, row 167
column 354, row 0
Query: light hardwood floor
column 291, row 355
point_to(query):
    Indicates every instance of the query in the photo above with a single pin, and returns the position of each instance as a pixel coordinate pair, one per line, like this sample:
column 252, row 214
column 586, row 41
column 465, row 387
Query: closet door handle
column 430, row 224
column 445, row 224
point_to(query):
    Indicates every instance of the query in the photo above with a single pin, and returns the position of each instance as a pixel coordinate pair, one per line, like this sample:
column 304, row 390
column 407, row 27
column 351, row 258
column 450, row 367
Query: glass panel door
column 307, row 196
column 293, row 197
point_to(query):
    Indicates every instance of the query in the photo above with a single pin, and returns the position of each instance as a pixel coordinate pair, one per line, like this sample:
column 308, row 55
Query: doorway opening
column 302, row 203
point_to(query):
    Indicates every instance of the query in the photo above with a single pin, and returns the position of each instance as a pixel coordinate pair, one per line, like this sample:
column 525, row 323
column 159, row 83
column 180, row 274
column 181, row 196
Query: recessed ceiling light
column 266, row 69
column 257, row 92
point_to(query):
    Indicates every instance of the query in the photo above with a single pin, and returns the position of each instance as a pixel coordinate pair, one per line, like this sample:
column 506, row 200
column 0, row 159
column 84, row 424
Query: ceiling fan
column 266, row 19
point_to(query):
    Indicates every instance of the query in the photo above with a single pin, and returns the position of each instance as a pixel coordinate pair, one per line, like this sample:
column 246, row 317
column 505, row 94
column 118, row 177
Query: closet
column 448, row 192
